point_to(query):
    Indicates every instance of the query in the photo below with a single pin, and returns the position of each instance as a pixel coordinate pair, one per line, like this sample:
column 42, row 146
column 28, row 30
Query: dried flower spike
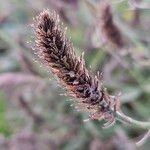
column 108, row 28
column 57, row 52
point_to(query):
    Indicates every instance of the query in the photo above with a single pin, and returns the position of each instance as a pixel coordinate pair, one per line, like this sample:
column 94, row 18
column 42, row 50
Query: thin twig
column 144, row 139
column 38, row 119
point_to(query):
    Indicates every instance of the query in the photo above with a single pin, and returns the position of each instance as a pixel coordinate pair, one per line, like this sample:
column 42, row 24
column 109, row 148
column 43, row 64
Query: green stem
column 126, row 119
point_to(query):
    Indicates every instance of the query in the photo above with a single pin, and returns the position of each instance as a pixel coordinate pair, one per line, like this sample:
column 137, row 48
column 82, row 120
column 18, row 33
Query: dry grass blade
column 11, row 80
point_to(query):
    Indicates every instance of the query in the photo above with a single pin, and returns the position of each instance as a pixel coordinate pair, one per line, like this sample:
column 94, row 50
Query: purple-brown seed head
column 58, row 53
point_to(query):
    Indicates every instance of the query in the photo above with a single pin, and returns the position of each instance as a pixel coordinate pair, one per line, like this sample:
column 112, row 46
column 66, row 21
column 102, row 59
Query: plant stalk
column 132, row 122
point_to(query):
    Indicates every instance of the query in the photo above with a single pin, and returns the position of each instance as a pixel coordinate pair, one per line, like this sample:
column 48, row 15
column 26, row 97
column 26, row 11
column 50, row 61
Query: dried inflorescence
column 57, row 52
column 108, row 27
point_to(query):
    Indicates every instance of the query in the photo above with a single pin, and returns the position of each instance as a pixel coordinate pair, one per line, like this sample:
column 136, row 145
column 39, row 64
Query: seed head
column 58, row 53
column 108, row 27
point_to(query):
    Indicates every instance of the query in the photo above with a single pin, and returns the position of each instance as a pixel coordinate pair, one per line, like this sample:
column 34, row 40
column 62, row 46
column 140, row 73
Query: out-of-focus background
column 34, row 112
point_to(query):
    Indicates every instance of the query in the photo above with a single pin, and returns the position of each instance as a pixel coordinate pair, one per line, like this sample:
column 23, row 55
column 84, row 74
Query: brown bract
column 58, row 53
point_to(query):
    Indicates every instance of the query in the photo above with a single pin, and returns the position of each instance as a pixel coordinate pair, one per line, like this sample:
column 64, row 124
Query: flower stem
column 134, row 123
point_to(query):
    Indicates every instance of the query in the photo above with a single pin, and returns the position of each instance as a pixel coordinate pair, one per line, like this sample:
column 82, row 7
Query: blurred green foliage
column 4, row 123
